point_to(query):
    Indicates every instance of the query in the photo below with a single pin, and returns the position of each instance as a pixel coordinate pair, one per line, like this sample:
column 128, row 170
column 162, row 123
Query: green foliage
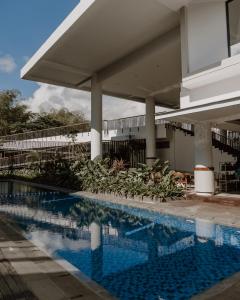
column 56, row 118
column 57, row 171
column 14, row 116
column 157, row 182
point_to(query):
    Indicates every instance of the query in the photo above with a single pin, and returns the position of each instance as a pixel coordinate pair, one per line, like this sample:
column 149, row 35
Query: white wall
column 134, row 132
column 181, row 152
column 204, row 34
column 208, row 74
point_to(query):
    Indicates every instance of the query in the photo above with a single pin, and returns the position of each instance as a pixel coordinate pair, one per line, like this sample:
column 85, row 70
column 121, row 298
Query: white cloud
column 7, row 64
column 48, row 96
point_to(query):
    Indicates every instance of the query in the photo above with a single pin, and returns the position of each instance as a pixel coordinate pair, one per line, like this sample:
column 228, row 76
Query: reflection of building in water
column 147, row 242
column 206, row 230
column 108, row 235
column 12, row 188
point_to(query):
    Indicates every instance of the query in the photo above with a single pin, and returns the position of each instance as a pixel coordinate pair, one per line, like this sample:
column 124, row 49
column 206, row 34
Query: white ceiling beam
column 165, row 90
column 226, row 118
column 229, row 126
column 64, row 68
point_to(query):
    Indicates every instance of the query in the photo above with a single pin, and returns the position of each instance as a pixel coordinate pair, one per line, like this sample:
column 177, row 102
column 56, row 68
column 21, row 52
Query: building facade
column 180, row 54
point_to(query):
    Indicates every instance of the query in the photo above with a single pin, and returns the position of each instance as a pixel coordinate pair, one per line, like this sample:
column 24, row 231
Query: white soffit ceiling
column 99, row 34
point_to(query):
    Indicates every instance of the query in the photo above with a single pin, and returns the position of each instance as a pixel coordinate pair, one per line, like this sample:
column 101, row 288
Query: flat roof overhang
column 133, row 45
column 216, row 113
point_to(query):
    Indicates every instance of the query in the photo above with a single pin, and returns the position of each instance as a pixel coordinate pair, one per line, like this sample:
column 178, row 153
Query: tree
column 56, row 118
column 14, row 116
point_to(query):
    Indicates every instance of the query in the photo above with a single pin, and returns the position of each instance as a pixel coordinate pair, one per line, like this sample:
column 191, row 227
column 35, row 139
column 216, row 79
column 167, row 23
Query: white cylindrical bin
column 203, row 171
column 204, row 181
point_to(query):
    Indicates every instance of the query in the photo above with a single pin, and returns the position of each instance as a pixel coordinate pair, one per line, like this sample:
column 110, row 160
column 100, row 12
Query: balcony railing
column 129, row 122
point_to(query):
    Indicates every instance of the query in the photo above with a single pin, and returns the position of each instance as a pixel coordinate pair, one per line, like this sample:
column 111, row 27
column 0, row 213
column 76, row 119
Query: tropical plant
column 157, row 182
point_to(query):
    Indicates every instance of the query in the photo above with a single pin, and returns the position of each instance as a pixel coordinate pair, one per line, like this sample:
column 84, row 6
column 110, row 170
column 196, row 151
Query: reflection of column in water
column 96, row 251
column 10, row 187
column 152, row 246
column 219, row 236
column 4, row 188
column 205, row 229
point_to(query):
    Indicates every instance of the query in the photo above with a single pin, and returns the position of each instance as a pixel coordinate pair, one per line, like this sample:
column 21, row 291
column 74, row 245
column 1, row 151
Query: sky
column 24, row 26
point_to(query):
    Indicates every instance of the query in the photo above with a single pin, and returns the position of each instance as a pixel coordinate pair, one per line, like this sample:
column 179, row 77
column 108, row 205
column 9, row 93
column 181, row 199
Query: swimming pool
column 135, row 254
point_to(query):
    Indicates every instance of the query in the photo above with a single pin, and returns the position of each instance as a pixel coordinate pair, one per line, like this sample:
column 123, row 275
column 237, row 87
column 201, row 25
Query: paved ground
column 27, row 273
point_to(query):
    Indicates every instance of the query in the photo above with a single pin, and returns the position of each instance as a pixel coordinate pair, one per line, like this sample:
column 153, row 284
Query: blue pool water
column 135, row 254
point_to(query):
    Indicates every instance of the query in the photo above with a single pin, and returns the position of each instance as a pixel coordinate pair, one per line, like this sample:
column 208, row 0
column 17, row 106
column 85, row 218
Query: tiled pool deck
column 26, row 272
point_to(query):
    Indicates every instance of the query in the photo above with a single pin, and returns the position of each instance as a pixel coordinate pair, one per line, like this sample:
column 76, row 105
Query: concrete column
column 150, row 131
column 96, row 119
column 203, row 172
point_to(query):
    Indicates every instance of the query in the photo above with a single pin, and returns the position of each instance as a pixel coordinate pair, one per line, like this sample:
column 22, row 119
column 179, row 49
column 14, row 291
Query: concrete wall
column 181, row 152
column 204, row 34
column 208, row 73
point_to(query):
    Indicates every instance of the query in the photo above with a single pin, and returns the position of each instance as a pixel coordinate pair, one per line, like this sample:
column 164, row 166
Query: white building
column 180, row 54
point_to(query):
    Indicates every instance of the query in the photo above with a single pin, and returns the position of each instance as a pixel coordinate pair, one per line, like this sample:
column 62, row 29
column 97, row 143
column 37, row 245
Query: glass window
column 234, row 26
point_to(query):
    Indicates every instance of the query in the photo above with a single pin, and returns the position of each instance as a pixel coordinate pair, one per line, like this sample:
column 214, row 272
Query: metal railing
column 225, row 140
column 27, row 145
column 69, row 152
column 123, row 123
column 129, row 122
column 50, row 132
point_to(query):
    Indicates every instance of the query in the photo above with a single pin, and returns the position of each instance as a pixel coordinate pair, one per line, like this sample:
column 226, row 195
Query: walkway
column 27, row 273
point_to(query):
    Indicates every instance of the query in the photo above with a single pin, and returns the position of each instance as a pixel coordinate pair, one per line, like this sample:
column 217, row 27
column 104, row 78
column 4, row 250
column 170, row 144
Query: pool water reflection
column 133, row 253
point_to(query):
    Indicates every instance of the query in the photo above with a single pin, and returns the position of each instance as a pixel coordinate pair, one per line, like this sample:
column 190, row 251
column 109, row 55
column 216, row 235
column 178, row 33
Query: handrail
column 53, row 131
column 67, row 152
column 231, row 142
column 129, row 122
column 26, row 145
column 234, row 143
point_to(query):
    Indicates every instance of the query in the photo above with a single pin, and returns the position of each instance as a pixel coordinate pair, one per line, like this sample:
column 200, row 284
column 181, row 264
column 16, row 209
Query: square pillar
column 203, row 171
column 150, row 131
column 96, row 118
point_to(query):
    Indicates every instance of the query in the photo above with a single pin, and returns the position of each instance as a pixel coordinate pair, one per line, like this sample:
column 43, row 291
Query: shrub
column 157, row 182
